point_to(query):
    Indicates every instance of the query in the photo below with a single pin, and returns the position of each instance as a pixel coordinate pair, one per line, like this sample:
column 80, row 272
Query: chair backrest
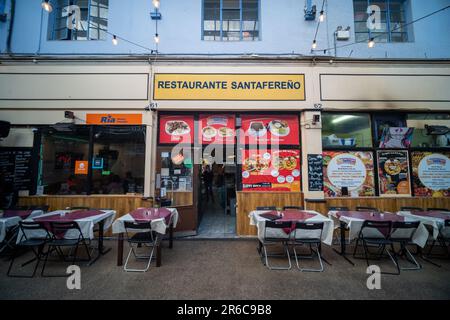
column 44, row 208
column 293, row 208
column 266, row 208
column 37, row 230
column 438, row 209
column 411, row 209
column 338, row 209
column 21, row 208
column 78, row 208
column 376, row 229
column 404, row 229
column 366, row 209
column 68, row 230
column 271, row 228
column 308, row 230
column 137, row 227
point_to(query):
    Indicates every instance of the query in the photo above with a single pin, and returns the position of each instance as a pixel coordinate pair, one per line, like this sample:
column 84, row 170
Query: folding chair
column 376, row 234
column 402, row 233
column 33, row 236
column 271, row 208
column 143, row 235
column 337, row 238
column 411, row 209
column 315, row 230
column 293, row 208
column 443, row 239
column 366, row 209
column 274, row 234
column 65, row 235
column 338, row 209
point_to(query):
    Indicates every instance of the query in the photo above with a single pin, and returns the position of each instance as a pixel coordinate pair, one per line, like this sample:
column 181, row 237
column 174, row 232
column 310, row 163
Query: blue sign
column 97, row 163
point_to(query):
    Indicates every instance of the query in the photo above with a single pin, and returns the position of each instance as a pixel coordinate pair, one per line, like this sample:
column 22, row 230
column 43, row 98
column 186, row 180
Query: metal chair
column 33, row 236
column 143, row 235
column 366, row 209
column 270, row 208
column 438, row 209
column 65, row 235
column 277, row 227
column 293, row 208
column 338, row 209
column 316, row 228
column 78, row 208
column 411, row 209
column 44, row 208
column 376, row 233
column 402, row 233
column 443, row 239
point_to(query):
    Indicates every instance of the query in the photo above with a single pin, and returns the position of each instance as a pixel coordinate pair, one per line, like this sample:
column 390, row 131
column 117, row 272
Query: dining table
column 352, row 221
column 162, row 220
column 435, row 220
column 86, row 220
column 9, row 220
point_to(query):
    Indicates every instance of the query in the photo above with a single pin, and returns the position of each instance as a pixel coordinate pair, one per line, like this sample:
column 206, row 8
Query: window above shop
column 78, row 20
column 345, row 130
column 388, row 16
column 431, row 130
column 230, row 20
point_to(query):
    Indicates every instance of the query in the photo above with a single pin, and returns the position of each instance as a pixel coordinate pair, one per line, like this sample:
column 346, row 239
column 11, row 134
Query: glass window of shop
column 342, row 130
column 80, row 160
column 431, row 130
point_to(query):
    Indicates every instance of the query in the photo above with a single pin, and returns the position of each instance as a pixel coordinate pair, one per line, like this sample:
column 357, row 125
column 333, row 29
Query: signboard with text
column 113, row 119
column 431, row 174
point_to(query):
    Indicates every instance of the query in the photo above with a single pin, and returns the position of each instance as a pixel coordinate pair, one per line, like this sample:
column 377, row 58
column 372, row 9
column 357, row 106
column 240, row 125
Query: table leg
column 171, row 236
column 158, row 255
column 101, row 248
column 120, row 250
column 343, row 244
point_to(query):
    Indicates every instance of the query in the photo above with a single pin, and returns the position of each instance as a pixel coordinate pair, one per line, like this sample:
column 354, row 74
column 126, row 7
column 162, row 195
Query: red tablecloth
column 431, row 214
column 149, row 214
column 293, row 216
column 22, row 214
column 371, row 216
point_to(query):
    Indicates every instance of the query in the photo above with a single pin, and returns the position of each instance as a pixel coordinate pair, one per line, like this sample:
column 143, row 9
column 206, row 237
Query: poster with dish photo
column 176, row 129
column 270, row 129
column 348, row 174
column 217, row 128
column 431, row 174
column 393, row 173
column 271, row 170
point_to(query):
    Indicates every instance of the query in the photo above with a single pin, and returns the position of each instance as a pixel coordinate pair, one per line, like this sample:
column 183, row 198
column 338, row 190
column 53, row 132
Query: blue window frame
column 93, row 20
column 230, row 20
column 393, row 19
column 2, row 6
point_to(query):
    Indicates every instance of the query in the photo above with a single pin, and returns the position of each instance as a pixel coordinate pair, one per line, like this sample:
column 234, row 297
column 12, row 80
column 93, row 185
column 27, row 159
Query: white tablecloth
column 6, row 223
column 158, row 225
column 327, row 234
column 354, row 224
column 436, row 223
column 86, row 224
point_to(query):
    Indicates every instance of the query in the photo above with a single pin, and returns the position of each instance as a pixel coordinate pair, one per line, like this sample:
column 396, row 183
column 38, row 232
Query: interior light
column 342, row 118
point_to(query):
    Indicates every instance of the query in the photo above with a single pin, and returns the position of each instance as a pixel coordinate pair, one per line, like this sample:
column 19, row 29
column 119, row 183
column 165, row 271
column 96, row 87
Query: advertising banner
column 113, row 119
column 393, row 173
column 431, row 174
column 348, row 174
column 270, row 129
column 176, row 129
column 218, row 128
column 271, row 170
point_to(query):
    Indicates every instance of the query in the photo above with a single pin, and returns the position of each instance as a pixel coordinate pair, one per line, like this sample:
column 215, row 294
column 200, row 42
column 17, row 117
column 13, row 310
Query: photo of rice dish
column 279, row 128
column 209, row 132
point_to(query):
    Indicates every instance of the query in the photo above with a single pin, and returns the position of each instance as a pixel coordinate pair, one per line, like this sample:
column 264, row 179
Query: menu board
column 270, row 129
column 176, row 129
column 352, row 171
column 315, row 172
column 431, row 174
column 393, row 173
column 271, row 170
column 15, row 166
column 218, row 128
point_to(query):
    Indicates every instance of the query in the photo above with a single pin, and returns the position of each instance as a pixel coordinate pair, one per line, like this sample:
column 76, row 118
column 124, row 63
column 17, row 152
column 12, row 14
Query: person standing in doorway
column 208, row 182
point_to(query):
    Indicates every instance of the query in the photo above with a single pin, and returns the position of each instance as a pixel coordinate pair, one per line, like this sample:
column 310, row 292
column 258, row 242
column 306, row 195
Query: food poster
column 396, row 137
column 270, row 129
column 393, row 173
column 265, row 170
column 219, row 128
column 176, row 129
column 348, row 171
column 431, row 174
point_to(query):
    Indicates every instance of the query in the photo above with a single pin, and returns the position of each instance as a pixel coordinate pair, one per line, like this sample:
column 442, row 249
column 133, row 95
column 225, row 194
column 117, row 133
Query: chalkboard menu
column 15, row 166
column 315, row 172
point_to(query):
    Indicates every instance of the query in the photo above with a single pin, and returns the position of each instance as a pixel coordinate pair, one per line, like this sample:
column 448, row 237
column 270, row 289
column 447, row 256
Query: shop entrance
column 217, row 194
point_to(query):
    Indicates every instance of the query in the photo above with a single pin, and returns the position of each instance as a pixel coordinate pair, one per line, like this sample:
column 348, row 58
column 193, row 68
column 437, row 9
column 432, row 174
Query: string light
column 156, row 3
column 322, row 16
column 156, row 38
column 314, row 44
column 47, row 6
column 115, row 41
column 371, row 43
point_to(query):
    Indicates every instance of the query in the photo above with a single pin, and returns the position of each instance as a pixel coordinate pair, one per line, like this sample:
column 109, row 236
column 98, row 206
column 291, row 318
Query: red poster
column 176, row 129
column 270, row 129
column 271, row 170
column 217, row 128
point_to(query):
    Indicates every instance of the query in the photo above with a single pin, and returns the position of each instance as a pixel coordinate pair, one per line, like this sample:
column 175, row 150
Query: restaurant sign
column 229, row 87
column 113, row 119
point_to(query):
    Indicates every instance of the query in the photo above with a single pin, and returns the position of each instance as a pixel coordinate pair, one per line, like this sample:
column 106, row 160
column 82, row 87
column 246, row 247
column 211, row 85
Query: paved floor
column 213, row 269
column 216, row 224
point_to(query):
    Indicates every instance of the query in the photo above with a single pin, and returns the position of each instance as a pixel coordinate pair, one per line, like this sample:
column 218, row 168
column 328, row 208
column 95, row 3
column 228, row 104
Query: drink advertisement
column 176, row 129
column 218, row 128
column 270, row 129
column 348, row 174
column 271, row 170
column 431, row 174
column 393, row 173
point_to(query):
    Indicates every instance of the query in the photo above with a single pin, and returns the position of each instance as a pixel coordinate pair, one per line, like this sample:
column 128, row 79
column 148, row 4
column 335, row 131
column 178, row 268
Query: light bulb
column 156, row 38
column 314, row 44
column 371, row 43
column 322, row 16
column 47, row 6
column 115, row 41
column 156, row 3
